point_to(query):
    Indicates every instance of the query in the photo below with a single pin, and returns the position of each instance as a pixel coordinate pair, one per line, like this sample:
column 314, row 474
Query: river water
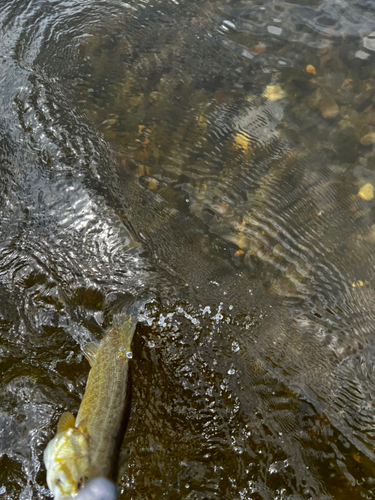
column 216, row 161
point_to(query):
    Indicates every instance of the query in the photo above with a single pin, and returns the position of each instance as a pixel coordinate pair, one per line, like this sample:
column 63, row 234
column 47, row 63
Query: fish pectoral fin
column 66, row 422
column 89, row 350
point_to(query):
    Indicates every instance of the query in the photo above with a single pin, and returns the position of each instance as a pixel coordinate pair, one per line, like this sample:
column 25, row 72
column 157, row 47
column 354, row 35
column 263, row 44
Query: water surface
column 217, row 160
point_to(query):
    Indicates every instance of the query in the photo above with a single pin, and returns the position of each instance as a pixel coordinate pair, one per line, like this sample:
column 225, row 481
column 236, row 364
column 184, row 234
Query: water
column 215, row 159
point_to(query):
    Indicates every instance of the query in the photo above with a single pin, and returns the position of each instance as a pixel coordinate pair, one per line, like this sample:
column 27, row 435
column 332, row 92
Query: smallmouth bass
column 87, row 447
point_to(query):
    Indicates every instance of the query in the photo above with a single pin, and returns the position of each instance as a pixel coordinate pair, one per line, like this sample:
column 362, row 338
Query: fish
column 86, row 447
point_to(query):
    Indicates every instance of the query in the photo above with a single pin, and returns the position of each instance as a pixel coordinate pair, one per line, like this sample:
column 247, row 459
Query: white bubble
column 151, row 344
column 129, row 355
column 235, row 346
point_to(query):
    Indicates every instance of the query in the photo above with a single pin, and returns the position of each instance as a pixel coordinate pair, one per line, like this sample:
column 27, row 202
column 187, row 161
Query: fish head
column 67, row 462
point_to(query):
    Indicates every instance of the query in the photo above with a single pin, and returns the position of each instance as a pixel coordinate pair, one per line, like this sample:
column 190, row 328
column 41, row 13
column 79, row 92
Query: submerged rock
column 328, row 107
column 368, row 139
column 366, row 192
column 369, row 41
column 274, row 92
column 310, row 69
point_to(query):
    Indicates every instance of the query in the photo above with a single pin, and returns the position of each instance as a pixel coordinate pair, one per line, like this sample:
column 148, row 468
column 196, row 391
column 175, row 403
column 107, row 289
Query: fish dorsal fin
column 90, row 350
column 66, row 422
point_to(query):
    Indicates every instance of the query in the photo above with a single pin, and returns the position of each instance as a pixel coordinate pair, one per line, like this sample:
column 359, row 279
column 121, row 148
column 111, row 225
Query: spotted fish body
column 87, row 447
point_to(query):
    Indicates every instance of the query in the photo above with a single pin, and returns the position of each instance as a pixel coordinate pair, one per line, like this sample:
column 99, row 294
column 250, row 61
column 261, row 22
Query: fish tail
column 125, row 318
column 137, row 306
column 125, row 304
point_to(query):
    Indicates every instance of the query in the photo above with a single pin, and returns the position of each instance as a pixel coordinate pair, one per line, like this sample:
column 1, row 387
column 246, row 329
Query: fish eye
column 81, row 482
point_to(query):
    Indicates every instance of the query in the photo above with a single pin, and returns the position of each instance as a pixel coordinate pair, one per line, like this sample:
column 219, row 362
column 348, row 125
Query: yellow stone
column 140, row 169
column 242, row 141
column 368, row 139
column 146, row 141
column 357, row 283
column 154, row 96
column 366, row 192
column 242, row 241
column 310, row 69
column 202, row 122
column 152, row 184
column 260, row 48
column 273, row 92
column 328, row 107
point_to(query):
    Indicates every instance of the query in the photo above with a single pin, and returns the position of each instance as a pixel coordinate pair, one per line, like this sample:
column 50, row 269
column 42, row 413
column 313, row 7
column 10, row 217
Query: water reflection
column 185, row 151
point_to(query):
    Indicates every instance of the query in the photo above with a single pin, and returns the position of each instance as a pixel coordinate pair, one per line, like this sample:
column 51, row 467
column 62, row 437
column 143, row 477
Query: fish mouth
column 64, row 493
column 58, row 495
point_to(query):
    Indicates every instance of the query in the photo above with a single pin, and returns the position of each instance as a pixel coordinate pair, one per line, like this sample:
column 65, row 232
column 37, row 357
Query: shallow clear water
column 217, row 160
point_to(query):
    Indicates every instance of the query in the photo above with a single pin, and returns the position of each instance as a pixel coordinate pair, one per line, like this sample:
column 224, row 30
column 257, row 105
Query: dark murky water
column 218, row 159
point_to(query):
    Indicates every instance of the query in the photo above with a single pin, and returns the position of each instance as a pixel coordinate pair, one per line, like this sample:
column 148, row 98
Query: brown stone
column 328, row 107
